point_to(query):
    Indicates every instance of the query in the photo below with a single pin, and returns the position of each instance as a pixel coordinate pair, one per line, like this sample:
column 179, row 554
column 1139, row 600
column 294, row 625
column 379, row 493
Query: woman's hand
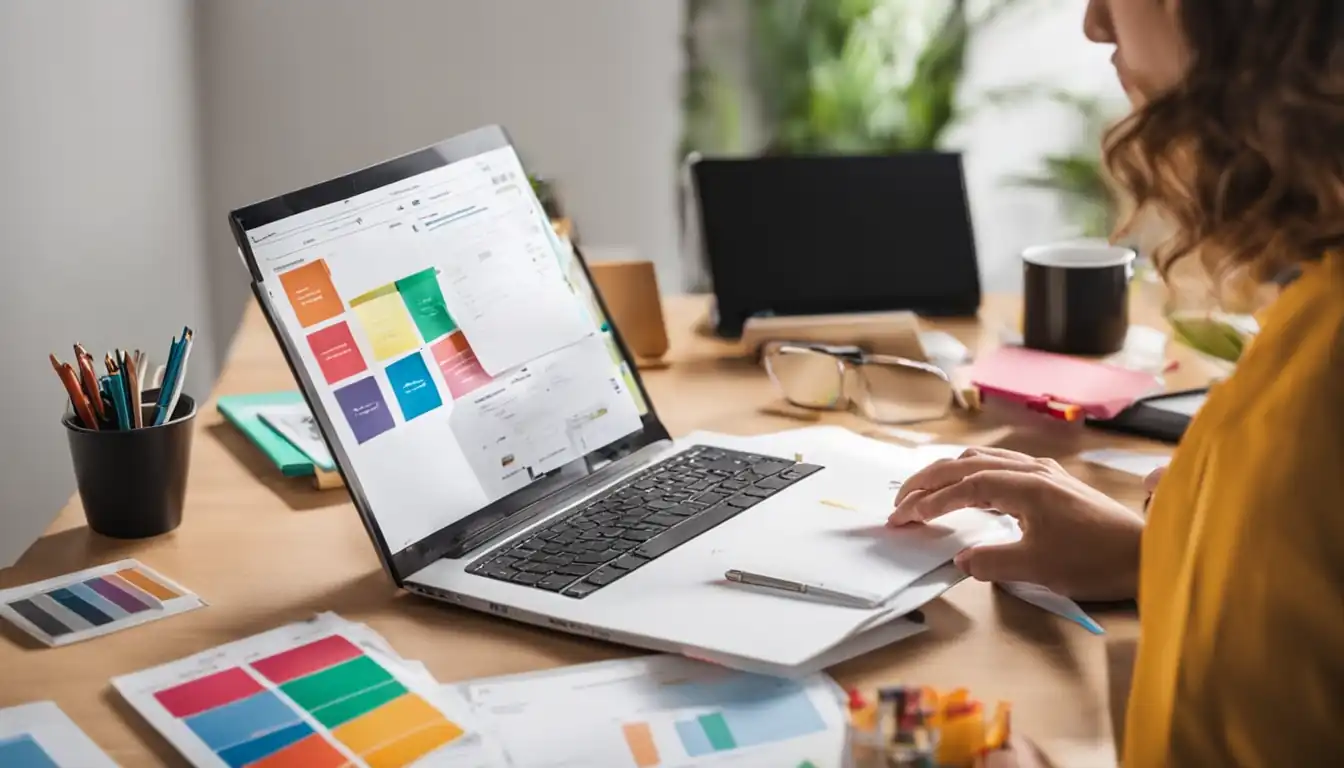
column 1075, row 540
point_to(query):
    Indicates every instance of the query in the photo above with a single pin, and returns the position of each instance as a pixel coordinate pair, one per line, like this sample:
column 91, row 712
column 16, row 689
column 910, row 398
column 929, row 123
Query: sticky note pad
column 386, row 322
column 365, row 409
column 311, row 293
column 415, row 391
column 424, row 300
column 461, row 371
column 337, row 353
column 94, row 602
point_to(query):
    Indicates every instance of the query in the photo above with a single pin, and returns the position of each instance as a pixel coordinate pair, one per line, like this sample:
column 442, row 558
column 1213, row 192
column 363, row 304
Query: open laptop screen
column 451, row 346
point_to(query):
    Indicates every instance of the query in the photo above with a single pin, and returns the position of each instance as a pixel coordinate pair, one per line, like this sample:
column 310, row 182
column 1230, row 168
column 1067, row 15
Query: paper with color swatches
column 40, row 735
column 1053, row 602
column 317, row 694
column 94, row 602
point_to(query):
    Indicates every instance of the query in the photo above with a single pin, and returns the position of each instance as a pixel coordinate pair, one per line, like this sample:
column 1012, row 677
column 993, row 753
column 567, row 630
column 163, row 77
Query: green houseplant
column 858, row 76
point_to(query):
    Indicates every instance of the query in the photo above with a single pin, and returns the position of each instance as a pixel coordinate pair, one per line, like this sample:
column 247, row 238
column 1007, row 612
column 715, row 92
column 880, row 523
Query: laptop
column 817, row 235
column 489, row 423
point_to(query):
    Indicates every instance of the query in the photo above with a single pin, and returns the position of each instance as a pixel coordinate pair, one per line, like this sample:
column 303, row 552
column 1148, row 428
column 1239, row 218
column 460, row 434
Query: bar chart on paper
column 321, row 703
column 662, row 712
column 756, row 714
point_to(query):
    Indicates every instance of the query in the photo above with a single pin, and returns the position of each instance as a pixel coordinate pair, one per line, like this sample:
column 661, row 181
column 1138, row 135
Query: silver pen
column 836, row 597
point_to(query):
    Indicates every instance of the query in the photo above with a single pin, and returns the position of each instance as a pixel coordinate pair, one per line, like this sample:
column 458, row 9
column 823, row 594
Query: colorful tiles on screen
column 94, row 602
column 461, row 371
column 337, row 353
column 365, row 409
column 386, row 322
column 311, row 293
column 416, row 392
column 309, row 706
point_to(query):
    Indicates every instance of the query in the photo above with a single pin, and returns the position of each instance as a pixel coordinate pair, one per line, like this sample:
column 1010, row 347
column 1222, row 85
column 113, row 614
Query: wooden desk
column 264, row 550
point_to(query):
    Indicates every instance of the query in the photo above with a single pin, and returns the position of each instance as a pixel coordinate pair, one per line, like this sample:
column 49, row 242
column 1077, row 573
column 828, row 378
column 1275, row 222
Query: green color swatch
column 338, row 682
column 345, row 710
column 716, row 728
column 424, row 300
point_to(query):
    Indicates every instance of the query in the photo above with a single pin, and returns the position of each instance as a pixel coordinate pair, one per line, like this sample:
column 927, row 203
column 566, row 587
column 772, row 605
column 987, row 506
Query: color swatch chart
column 397, row 320
column 95, row 602
column 323, row 703
column 39, row 735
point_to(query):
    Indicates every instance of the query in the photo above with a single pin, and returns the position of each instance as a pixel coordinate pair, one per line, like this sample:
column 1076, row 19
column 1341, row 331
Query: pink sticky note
column 1021, row 374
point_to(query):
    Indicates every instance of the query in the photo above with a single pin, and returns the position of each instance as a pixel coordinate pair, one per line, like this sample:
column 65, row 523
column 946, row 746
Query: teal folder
column 241, row 411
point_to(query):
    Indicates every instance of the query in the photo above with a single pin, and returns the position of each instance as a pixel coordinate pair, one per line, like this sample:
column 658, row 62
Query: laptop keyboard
column 635, row 523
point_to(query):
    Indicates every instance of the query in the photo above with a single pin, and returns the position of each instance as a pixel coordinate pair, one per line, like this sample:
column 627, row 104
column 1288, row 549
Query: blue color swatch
column 23, row 752
column 251, row 751
column 416, row 392
column 242, row 721
column 80, row 607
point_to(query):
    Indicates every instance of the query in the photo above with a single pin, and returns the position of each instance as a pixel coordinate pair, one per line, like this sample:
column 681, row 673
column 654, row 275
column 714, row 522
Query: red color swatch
column 306, row 659
column 462, row 372
column 336, row 352
column 312, row 752
column 208, row 692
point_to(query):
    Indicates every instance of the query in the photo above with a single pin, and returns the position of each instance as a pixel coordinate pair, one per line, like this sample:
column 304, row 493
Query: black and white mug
column 1076, row 297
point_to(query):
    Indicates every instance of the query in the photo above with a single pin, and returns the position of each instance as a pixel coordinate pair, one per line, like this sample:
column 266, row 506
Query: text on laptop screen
column 452, row 339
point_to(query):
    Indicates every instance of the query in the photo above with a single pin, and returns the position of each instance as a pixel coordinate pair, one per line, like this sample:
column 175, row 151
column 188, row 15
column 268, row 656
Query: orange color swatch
column 312, row 752
column 413, row 746
column 640, row 739
column 387, row 723
column 147, row 584
column 311, row 293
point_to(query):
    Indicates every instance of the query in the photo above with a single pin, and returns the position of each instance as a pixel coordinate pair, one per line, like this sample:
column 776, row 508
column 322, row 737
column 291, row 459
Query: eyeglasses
column 883, row 388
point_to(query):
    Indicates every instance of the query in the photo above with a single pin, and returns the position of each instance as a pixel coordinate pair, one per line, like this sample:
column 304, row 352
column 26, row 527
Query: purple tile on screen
column 365, row 409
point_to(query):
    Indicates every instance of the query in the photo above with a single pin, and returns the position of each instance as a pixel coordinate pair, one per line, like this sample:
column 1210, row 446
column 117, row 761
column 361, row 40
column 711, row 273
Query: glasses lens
column 899, row 394
column 807, row 378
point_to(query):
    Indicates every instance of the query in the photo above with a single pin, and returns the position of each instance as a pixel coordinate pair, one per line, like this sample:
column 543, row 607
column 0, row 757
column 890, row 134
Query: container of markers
column 133, row 482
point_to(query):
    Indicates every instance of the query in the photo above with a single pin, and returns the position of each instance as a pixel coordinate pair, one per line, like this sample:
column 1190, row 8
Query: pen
column 84, row 362
column 78, row 400
column 845, row 599
column 133, row 395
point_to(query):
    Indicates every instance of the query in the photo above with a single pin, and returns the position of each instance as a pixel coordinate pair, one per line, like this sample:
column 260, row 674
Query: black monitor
column 808, row 235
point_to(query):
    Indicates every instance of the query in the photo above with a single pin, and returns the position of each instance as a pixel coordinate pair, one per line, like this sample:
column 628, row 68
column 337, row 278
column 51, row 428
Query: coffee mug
column 629, row 289
column 1076, row 297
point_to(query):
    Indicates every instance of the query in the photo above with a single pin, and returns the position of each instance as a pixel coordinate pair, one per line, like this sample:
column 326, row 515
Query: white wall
column 298, row 91
column 1043, row 44
column 101, row 235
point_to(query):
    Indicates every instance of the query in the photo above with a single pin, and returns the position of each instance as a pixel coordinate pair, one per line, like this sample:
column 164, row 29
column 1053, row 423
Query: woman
column 1237, row 141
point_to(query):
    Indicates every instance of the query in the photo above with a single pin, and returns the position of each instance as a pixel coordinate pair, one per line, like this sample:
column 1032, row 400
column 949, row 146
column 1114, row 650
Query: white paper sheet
column 844, row 540
column 94, row 602
column 503, row 278
column 296, row 424
column 40, row 734
column 1130, row 462
column 324, row 684
column 663, row 711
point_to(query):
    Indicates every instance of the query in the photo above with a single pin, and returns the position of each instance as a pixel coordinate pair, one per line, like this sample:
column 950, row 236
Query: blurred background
column 128, row 130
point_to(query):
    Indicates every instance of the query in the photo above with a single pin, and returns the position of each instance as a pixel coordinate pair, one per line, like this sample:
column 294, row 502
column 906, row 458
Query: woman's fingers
column 1009, row 490
column 947, row 471
column 999, row 562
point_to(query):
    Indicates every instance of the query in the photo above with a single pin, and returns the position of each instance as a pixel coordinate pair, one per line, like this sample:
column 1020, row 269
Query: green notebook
column 241, row 411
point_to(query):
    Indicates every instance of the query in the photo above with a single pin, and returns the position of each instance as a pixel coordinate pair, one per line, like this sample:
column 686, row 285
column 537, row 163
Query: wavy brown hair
column 1245, row 157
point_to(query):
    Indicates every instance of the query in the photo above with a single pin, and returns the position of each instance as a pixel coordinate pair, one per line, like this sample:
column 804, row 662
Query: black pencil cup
column 133, row 483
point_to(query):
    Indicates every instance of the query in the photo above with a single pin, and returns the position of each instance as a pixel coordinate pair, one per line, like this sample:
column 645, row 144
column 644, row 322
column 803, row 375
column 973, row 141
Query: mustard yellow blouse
column 1241, row 589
